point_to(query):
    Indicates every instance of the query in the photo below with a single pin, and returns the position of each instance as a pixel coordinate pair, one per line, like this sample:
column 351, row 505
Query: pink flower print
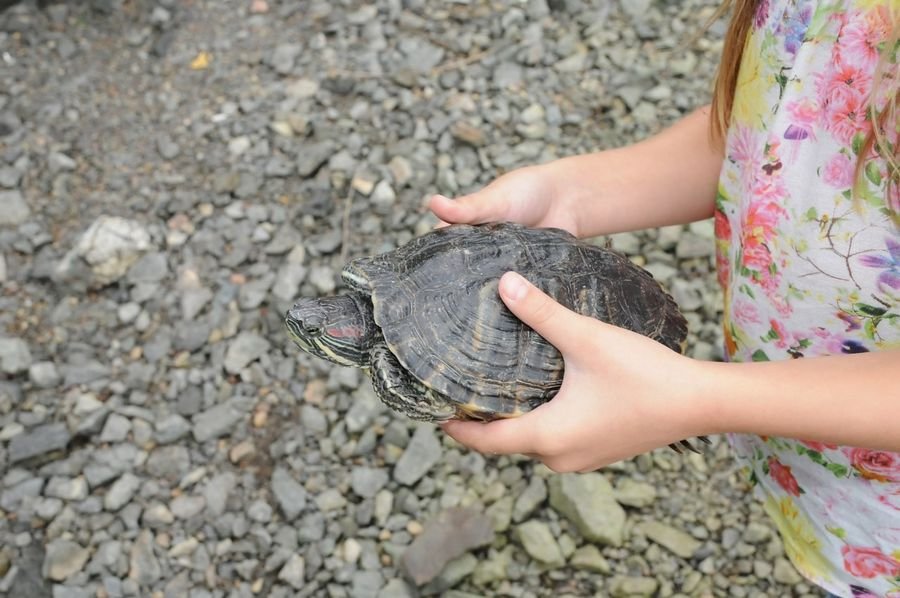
column 745, row 312
column 839, row 171
column 891, row 499
column 845, row 78
column 889, row 279
column 868, row 562
column 845, row 115
column 818, row 446
column 879, row 466
column 804, row 114
column 782, row 474
column 723, row 240
column 780, row 333
column 860, row 37
column 746, row 150
column 762, row 14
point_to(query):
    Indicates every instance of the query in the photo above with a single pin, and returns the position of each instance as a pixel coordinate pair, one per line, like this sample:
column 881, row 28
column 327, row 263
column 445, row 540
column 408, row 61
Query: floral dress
column 809, row 269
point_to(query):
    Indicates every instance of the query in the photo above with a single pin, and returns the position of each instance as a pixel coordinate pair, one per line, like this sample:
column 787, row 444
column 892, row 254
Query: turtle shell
column 436, row 302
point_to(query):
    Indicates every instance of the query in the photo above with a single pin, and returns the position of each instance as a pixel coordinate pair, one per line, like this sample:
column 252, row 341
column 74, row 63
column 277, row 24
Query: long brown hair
column 877, row 139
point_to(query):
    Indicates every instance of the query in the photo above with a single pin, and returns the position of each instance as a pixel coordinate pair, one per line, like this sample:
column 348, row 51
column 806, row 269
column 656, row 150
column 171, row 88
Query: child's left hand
column 622, row 394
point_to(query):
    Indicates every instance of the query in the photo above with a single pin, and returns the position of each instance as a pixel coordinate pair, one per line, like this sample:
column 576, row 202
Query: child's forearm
column 849, row 400
column 670, row 178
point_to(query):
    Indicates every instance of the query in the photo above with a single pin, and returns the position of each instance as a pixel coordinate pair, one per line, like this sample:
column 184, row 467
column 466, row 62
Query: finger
column 501, row 437
column 563, row 328
column 469, row 209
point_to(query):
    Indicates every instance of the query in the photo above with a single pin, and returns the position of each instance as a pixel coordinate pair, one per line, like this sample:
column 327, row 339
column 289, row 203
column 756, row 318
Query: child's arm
column 624, row 394
column 848, row 399
column 670, row 178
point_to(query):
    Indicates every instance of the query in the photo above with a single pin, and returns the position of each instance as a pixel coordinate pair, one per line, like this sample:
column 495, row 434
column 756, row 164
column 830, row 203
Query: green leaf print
column 759, row 355
column 838, row 470
column 873, row 174
column 871, row 310
column 869, row 328
column 812, row 214
column 820, row 19
column 858, row 140
column 837, row 531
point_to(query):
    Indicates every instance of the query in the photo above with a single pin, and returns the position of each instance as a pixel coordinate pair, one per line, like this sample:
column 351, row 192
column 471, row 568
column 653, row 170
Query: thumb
column 476, row 208
column 561, row 327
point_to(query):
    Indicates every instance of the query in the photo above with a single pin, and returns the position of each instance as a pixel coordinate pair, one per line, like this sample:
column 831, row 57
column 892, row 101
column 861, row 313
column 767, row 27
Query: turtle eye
column 313, row 325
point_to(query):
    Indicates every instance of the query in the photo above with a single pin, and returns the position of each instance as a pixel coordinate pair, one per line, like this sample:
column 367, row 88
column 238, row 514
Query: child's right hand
column 527, row 196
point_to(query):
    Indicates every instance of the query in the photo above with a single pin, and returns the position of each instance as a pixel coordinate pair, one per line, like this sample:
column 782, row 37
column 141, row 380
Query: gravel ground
column 173, row 174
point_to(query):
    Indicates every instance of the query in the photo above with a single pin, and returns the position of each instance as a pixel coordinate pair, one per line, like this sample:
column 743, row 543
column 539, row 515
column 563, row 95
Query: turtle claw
column 685, row 444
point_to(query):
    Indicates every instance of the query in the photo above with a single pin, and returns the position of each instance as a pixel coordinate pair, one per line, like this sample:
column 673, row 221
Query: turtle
column 427, row 323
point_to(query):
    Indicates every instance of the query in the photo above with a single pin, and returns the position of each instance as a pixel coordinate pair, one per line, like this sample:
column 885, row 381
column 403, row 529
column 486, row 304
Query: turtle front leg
column 403, row 393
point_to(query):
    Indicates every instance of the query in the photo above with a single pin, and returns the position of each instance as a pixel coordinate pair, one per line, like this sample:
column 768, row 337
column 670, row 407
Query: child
column 805, row 191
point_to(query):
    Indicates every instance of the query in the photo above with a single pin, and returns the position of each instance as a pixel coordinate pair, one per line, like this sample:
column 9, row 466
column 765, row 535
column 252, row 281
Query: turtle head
column 340, row 329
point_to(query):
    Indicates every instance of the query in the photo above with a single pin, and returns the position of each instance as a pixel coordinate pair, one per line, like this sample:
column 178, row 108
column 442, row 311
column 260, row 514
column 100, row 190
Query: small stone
column 468, row 133
column 530, row 499
column 367, row 481
column 167, row 148
column 634, row 494
column 291, row 496
column 589, row 558
column 58, row 162
column 13, row 208
column 756, row 533
column 116, row 429
column 121, row 492
column 423, row 452
column 15, row 357
column 72, row 489
column 38, row 441
column 216, row 421
column 239, row 145
column 691, row 245
column 185, row 506
column 330, row 500
column 311, row 157
column 677, row 541
column 587, row 501
column 63, row 559
column 538, row 541
column 302, row 89
column 401, row 170
column 449, row 535
column 293, row 571
column 185, row 548
column 128, row 312
column 364, row 182
column 157, row 514
column 217, row 492
column 633, row 587
column 243, row 350
column 171, row 429
column 283, row 57
column 109, row 246
column 144, row 568
column 785, row 572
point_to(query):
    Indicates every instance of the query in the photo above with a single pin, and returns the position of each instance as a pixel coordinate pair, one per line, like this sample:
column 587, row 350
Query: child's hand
column 527, row 196
column 622, row 394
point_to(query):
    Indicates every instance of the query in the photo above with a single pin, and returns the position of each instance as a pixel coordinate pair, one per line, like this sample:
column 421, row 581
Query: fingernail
column 439, row 196
column 514, row 286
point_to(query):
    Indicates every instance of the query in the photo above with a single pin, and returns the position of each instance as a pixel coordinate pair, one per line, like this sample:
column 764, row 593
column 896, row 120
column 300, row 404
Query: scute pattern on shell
column 437, row 304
